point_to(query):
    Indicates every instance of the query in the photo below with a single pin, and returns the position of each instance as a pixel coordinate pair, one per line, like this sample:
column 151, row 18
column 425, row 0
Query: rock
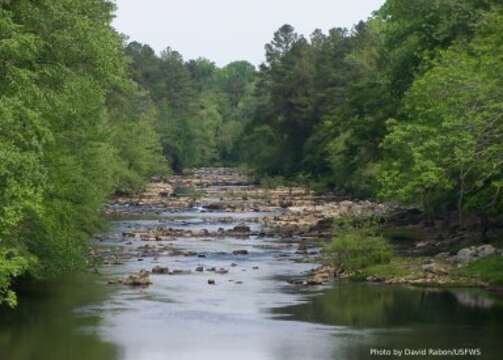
column 199, row 269
column 179, row 272
column 374, row 279
column 255, row 268
column 473, row 253
column 486, row 250
column 296, row 281
column 315, row 281
column 466, row 255
column 215, row 206
column 241, row 229
column 240, row 252
column 139, row 279
column 423, row 244
column 442, row 255
column 201, row 255
column 221, row 271
column 329, row 271
column 160, row 270
column 211, row 282
column 434, row 268
column 234, row 265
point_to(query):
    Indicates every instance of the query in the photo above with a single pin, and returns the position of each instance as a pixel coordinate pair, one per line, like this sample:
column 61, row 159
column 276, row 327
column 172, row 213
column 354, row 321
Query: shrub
column 353, row 250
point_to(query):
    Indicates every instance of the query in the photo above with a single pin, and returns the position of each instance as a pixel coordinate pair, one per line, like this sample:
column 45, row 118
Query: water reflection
column 363, row 305
column 371, row 316
column 46, row 325
column 81, row 320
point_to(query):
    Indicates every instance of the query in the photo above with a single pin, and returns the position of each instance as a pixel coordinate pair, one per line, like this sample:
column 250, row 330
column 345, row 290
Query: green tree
column 449, row 151
column 63, row 71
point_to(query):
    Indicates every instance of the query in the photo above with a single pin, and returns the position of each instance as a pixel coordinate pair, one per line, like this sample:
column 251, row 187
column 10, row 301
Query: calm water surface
column 182, row 317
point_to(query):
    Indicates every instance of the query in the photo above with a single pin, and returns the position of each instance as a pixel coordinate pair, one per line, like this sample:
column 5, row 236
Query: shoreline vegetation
column 404, row 108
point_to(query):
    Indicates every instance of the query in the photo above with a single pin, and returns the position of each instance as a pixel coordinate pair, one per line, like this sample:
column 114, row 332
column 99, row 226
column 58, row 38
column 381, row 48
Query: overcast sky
column 228, row 30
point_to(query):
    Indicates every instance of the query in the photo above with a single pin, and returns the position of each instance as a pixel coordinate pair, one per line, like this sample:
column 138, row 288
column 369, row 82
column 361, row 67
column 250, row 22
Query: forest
column 406, row 107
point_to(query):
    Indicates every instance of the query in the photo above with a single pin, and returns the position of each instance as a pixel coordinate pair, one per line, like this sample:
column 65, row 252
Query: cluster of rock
column 142, row 278
column 318, row 276
column 171, row 234
column 139, row 279
column 472, row 253
column 300, row 211
column 310, row 211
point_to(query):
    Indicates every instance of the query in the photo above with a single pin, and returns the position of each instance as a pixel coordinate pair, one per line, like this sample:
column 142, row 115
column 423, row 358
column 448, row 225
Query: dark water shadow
column 57, row 321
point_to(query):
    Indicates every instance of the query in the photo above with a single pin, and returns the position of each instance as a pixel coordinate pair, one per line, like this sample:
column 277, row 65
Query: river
column 251, row 312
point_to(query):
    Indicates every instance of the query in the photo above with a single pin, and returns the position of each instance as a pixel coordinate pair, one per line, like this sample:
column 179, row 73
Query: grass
column 489, row 269
column 396, row 267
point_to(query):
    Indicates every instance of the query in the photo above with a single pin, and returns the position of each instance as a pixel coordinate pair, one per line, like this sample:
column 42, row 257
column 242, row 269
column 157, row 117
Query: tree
column 451, row 150
column 63, row 72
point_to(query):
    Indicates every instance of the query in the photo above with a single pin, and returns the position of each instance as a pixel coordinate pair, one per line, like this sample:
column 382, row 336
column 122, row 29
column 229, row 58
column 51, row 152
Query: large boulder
column 472, row 253
column 466, row 255
column 486, row 250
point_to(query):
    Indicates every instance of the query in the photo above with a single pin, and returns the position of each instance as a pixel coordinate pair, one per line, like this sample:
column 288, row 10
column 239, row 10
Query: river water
column 251, row 312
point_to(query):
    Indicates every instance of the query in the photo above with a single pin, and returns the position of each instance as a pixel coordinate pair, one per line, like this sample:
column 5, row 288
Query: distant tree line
column 202, row 108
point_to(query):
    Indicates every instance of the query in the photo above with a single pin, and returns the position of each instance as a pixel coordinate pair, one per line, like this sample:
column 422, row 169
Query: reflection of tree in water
column 362, row 305
column 45, row 325
column 346, row 305
column 401, row 317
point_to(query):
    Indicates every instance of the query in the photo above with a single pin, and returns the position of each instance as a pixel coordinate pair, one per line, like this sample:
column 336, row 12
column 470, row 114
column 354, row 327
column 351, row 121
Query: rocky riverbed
column 211, row 206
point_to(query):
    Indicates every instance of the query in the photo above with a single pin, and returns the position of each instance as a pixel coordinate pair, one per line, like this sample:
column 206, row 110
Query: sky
column 228, row 30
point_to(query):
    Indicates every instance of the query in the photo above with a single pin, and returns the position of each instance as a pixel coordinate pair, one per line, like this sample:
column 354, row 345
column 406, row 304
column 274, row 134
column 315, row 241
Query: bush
column 353, row 250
